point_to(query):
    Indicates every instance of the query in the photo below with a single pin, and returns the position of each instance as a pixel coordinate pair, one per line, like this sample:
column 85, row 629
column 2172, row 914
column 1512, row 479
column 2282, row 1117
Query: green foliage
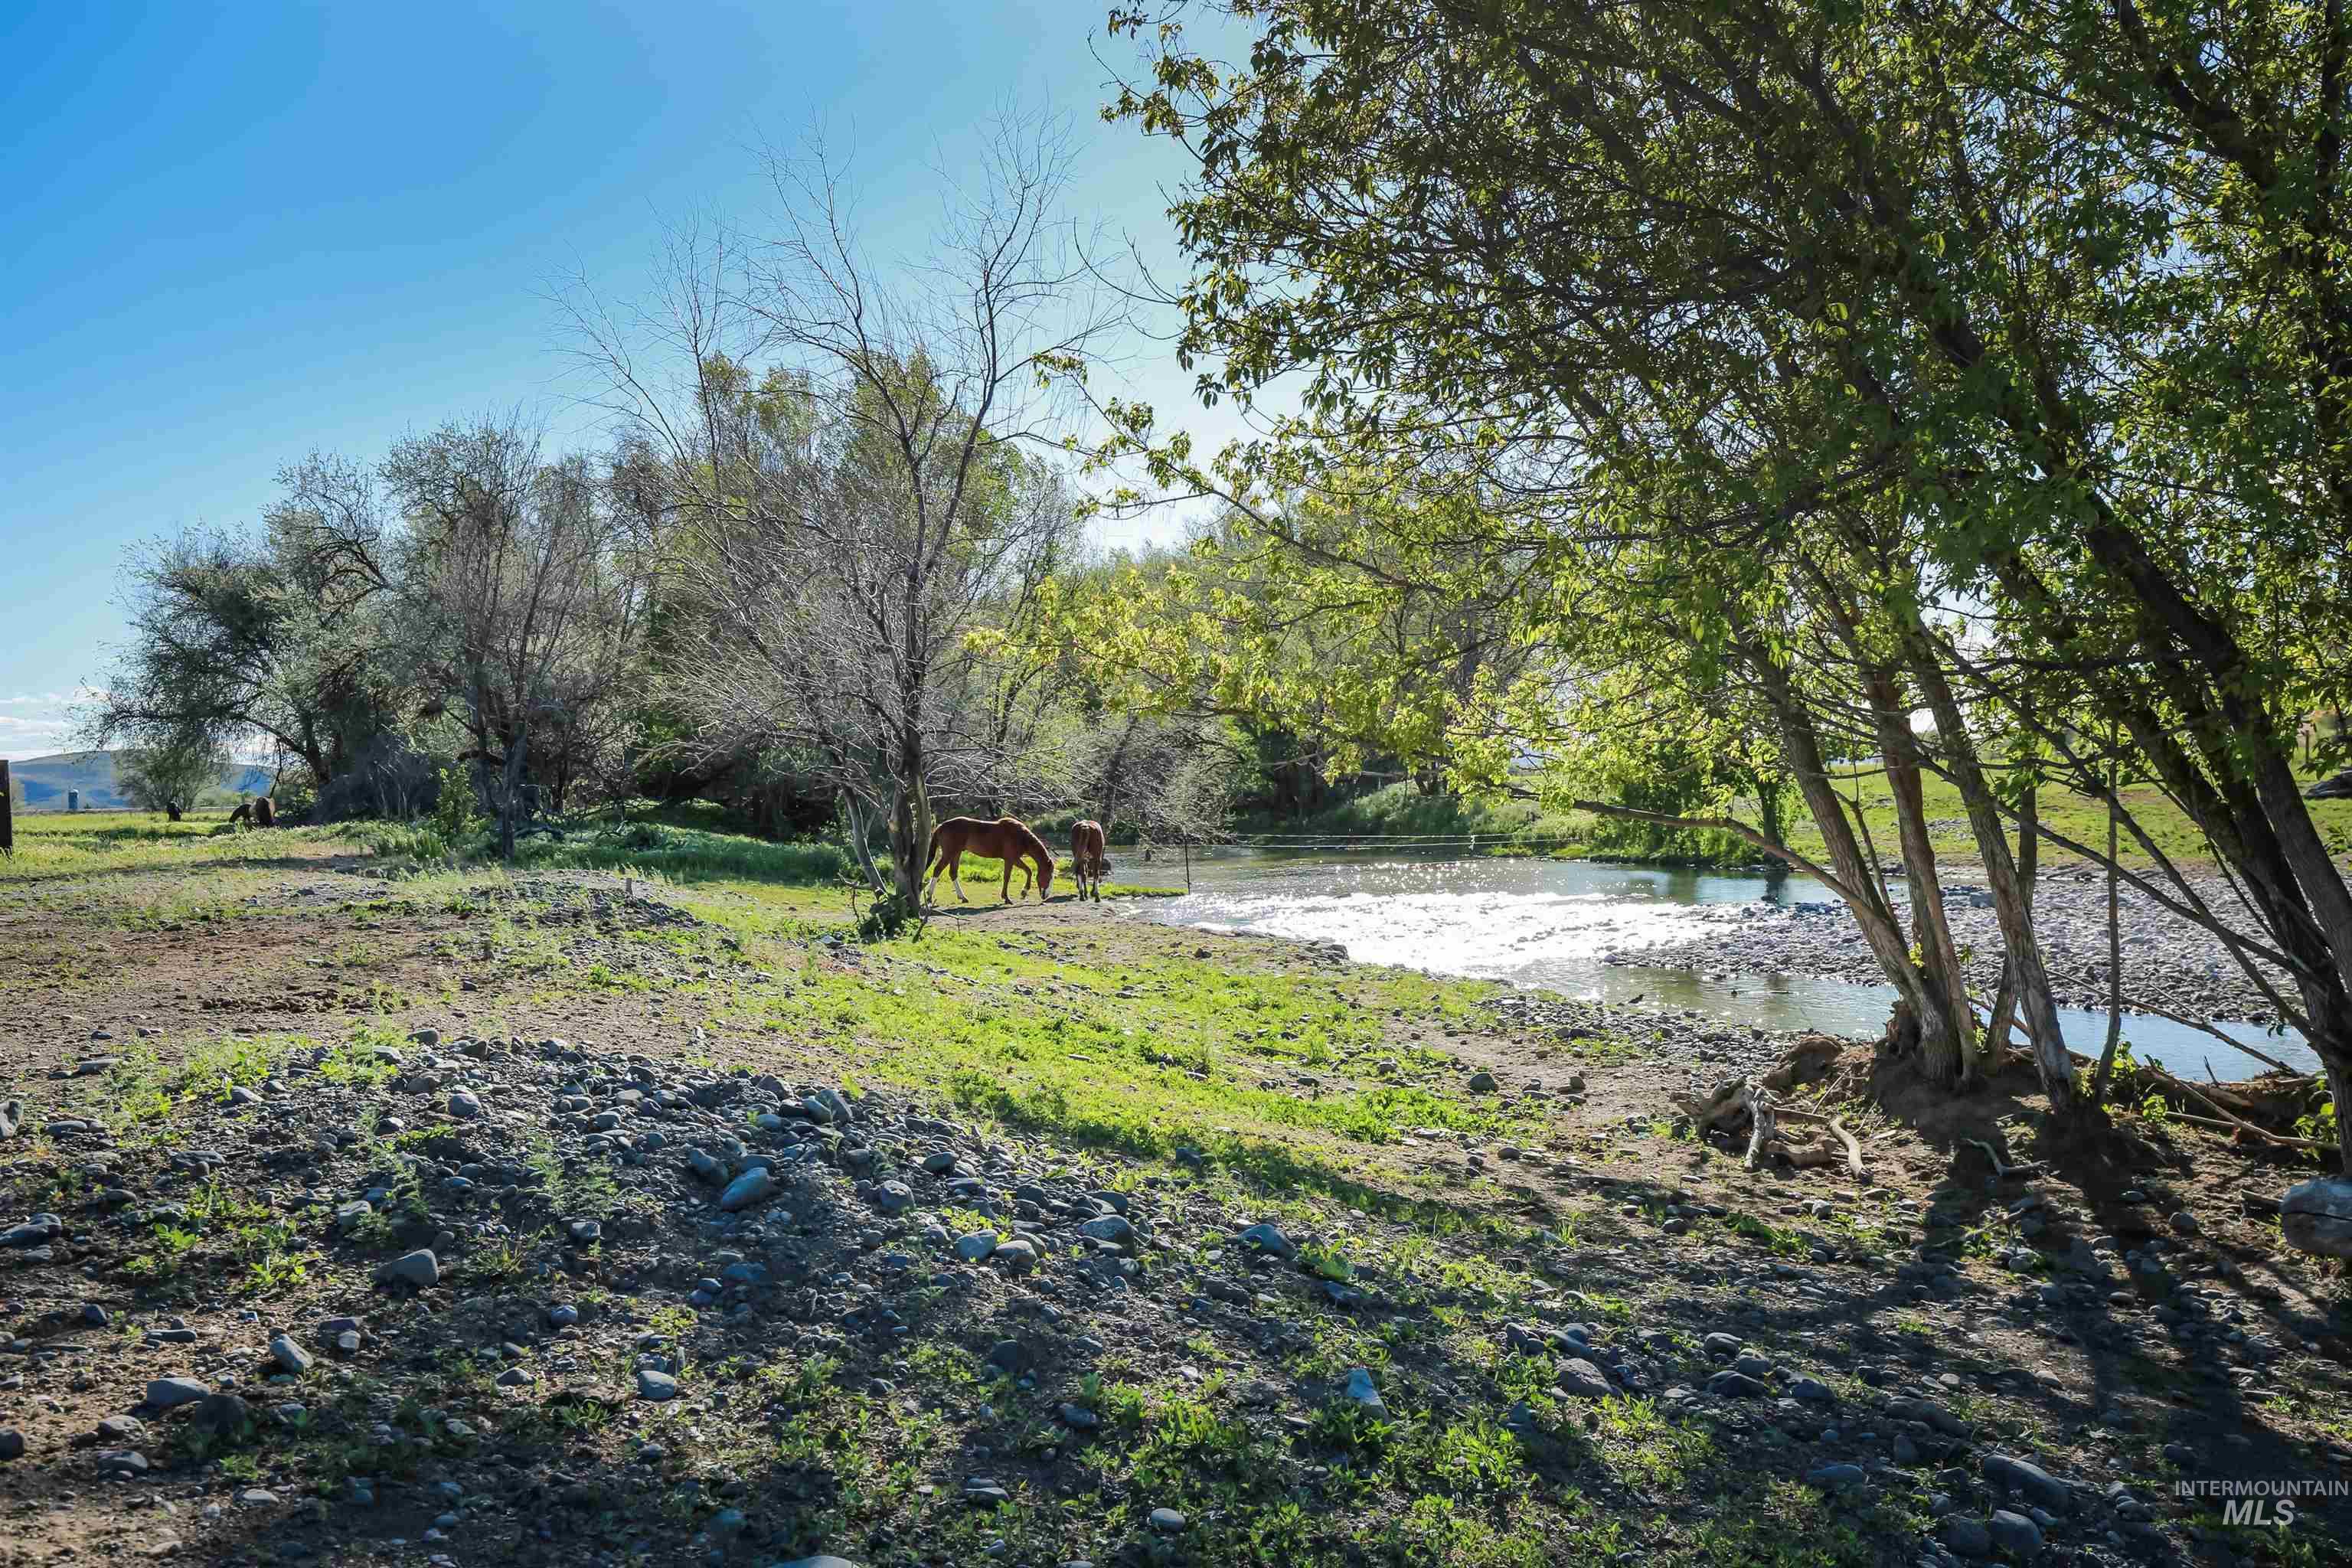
column 456, row 817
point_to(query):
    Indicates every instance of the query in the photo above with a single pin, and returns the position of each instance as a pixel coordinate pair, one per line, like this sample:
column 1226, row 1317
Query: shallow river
column 1548, row 923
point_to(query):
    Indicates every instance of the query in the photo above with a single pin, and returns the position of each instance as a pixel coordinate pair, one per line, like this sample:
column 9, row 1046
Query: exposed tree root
column 1752, row 1101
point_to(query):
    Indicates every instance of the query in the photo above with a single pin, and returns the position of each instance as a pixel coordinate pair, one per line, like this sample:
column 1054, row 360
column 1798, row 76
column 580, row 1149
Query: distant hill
column 44, row 781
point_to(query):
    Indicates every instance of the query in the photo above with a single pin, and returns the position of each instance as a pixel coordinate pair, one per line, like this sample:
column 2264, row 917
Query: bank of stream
column 1775, row 951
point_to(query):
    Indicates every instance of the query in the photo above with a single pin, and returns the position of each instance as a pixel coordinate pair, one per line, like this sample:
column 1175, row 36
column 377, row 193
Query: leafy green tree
column 170, row 777
column 1789, row 333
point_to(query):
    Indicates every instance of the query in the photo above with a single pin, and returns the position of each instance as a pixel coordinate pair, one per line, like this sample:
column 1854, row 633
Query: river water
column 1548, row 923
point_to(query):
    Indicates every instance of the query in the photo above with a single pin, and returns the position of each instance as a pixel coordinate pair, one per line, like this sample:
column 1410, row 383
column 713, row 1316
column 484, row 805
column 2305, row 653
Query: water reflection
column 1550, row 923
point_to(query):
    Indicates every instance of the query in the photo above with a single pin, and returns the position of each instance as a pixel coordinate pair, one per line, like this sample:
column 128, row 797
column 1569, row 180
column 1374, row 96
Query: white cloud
column 46, row 728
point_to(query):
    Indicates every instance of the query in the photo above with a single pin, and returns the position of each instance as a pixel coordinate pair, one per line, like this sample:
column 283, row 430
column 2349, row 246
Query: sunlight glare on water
column 1550, row 923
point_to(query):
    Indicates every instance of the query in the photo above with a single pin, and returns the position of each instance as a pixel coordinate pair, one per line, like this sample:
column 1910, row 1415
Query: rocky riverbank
column 694, row 1272
column 2168, row 962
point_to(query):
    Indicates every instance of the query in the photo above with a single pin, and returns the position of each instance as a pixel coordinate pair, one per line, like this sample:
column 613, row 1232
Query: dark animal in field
column 172, row 810
column 244, row 813
column 1005, row 840
column 259, row 813
column 1087, row 858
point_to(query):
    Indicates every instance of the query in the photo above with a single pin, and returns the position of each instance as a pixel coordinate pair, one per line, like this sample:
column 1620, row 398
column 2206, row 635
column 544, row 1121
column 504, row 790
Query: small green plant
column 2319, row 1126
column 455, row 817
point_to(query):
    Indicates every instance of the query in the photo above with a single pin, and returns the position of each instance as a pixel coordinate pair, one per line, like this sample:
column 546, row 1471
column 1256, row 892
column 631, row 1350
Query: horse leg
column 955, row 874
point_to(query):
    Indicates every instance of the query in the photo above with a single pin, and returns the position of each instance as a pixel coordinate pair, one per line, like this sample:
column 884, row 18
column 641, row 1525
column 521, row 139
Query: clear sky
column 237, row 234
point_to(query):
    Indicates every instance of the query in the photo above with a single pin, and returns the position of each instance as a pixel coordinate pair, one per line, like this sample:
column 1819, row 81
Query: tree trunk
column 861, row 845
column 2029, row 854
column 910, row 822
column 2012, row 907
column 2115, row 952
column 1946, row 1023
column 1866, row 897
column 510, row 791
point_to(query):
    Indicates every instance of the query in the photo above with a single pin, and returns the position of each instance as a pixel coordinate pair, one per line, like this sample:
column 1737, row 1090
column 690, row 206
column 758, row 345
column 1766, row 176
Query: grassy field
column 2081, row 818
column 1209, row 1082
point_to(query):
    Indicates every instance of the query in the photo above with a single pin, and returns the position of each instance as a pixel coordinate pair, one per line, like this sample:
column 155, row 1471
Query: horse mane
column 1027, row 836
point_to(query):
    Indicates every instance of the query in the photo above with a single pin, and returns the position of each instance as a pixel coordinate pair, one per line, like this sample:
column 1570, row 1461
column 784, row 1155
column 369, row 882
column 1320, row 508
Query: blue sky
column 239, row 233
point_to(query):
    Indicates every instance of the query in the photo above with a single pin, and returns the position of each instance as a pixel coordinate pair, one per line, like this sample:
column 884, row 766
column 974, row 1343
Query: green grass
column 53, row 845
column 682, row 855
column 2081, row 818
column 1401, row 809
column 1150, row 1058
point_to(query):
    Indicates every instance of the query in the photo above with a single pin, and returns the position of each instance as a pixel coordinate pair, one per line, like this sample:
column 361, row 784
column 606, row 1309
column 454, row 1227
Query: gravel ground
column 2168, row 962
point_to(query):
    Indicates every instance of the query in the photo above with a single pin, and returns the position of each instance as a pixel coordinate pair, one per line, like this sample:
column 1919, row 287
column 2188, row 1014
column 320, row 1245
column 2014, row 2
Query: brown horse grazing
column 244, row 813
column 1005, row 840
column 1087, row 858
column 257, row 811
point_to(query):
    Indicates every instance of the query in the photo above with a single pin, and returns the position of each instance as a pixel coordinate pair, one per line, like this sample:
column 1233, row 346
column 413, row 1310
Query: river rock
column 289, row 1356
column 420, row 1269
column 11, row 1444
column 1266, row 1238
column 977, row 1246
column 2013, row 1532
column 1967, row 1537
column 170, row 1393
column 12, row 1116
column 1019, row 1254
column 465, row 1107
column 221, row 1413
column 2025, row 1476
column 1106, row 1227
column 1582, row 1379
column 2316, row 1215
column 753, row 1186
column 655, row 1385
column 1364, row 1391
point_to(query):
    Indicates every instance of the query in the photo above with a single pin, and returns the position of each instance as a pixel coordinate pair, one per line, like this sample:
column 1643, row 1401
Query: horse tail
column 939, row 848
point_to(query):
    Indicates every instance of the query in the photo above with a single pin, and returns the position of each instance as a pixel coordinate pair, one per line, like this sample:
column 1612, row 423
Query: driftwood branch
column 1751, row 1100
column 2001, row 1172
